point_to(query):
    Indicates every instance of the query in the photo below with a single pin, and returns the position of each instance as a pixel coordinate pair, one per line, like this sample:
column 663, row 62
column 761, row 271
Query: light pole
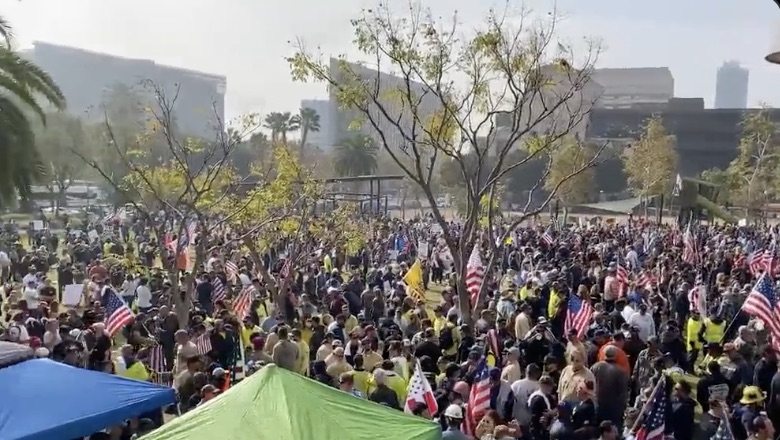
column 774, row 54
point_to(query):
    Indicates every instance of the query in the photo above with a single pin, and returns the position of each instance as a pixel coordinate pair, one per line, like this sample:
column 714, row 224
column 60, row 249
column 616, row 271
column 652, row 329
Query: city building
column 397, row 125
column 634, row 86
column 731, row 86
column 325, row 138
column 85, row 76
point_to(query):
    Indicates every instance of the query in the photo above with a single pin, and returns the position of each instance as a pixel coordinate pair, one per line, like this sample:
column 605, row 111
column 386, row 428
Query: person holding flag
column 413, row 279
column 420, row 391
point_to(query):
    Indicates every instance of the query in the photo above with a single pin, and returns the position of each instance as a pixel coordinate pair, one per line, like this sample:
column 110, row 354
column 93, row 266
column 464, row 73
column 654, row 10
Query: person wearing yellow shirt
column 554, row 303
column 692, row 329
column 247, row 330
column 350, row 321
column 337, row 364
column 302, row 360
column 360, row 375
column 526, row 291
column 450, row 337
column 392, row 380
column 327, row 262
column 127, row 366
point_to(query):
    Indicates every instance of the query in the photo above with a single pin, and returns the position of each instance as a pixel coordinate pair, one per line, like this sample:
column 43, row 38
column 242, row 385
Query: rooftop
column 85, row 52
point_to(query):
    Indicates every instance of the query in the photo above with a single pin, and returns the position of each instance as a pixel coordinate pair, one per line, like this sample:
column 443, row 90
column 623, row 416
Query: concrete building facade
column 634, row 86
column 325, row 139
column 399, row 128
column 731, row 86
column 84, row 77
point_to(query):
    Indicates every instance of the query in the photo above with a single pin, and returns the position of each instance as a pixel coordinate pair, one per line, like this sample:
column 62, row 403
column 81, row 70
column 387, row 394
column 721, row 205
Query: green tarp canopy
column 276, row 404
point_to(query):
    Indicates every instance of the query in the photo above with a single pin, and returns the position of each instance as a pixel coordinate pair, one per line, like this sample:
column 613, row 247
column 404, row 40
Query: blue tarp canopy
column 45, row 400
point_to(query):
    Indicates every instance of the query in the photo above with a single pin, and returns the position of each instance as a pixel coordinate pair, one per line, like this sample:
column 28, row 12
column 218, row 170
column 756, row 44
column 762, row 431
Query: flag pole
column 642, row 412
column 734, row 319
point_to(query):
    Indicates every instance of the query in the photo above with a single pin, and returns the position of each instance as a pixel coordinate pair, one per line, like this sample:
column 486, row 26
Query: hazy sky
column 246, row 40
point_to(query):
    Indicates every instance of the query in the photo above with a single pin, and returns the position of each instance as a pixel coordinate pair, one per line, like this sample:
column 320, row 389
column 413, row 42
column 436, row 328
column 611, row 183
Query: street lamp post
column 774, row 53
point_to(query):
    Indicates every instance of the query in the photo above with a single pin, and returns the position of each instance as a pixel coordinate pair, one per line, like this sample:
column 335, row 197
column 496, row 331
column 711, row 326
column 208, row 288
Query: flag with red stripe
column 475, row 275
column 420, row 391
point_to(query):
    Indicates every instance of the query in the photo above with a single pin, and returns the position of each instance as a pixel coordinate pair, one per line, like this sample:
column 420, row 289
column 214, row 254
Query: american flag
column 493, row 348
column 203, row 344
column 118, row 314
column 689, row 255
column 697, row 300
column 286, row 268
column 160, row 375
column 475, row 274
column 646, row 278
column 578, row 314
column 547, row 237
column 112, row 216
column 479, row 398
column 243, row 301
column 724, row 430
column 768, row 258
column 762, row 303
column 652, row 427
column 622, row 277
column 231, row 269
column 756, row 262
column 678, row 184
column 192, row 231
column 420, row 391
column 220, row 291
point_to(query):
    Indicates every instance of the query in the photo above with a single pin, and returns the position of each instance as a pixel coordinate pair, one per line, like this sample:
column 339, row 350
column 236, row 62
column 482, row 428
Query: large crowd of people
column 592, row 330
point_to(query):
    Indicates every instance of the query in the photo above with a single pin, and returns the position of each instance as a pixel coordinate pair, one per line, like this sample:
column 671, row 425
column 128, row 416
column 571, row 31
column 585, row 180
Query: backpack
column 446, row 340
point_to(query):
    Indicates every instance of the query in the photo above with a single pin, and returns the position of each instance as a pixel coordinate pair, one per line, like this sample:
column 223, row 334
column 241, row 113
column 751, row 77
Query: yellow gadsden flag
column 414, row 282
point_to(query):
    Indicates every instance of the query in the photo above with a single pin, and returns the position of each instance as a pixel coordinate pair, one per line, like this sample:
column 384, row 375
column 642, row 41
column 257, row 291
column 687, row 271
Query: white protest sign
column 71, row 295
column 93, row 235
column 422, row 248
column 37, row 225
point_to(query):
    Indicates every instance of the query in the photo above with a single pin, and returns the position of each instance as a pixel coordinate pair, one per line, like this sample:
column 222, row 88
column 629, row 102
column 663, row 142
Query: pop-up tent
column 44, row 400
column 275, row 404
column 11, row 353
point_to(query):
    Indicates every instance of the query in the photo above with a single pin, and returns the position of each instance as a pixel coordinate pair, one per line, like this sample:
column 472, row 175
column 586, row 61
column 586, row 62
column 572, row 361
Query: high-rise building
column 85, row 76
column 731, row 86
column 401, row 124
column 325, row 138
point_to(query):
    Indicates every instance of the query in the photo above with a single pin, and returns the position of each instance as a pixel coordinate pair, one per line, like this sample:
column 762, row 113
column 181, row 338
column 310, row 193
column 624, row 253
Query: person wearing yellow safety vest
column 127, row 366
column 713, row 330
column 692, row 340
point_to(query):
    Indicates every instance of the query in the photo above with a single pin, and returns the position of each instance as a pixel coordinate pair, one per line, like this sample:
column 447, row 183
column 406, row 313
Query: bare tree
column 190, row 181
column 504, row 87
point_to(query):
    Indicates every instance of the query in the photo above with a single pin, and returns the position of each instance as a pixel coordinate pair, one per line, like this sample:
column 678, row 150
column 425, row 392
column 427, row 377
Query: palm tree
column 281, row 123
column 309, row 121
column 356, row 156
column 22, row 85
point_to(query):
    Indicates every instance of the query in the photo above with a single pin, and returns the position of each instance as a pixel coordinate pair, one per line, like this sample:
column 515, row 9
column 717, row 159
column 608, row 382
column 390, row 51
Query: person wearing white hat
column 453, row 417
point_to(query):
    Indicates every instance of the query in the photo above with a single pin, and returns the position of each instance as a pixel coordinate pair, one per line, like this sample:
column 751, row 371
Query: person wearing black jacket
column 428, row 347
column 713, row 386
column 682, row 415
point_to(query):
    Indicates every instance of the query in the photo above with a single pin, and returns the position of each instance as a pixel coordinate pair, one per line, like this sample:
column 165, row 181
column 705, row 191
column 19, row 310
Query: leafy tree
column 720, row 178
column 61, row 134
column 193, row 184
column 356, row 156
column 309, row 121
column 280, row 124
column 454, row 87
column 753, row 172
column 570, row 178
column 24, row 87
column 651, row 163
